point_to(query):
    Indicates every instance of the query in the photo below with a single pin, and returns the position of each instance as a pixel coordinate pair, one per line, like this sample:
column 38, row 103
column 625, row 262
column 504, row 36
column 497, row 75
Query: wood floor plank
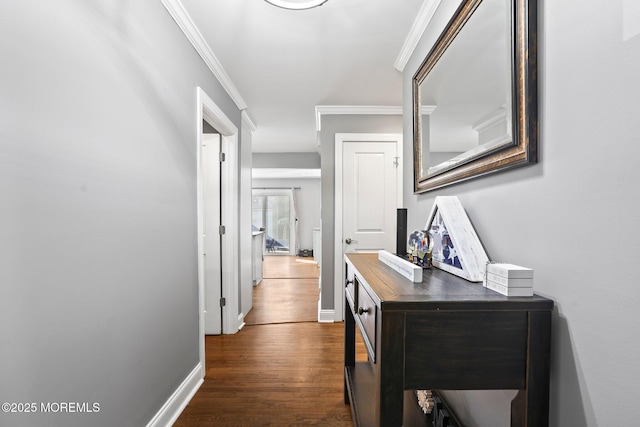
column 284, row 300
column 289, row 267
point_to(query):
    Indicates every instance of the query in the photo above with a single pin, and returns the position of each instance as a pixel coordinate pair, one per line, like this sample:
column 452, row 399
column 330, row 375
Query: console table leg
column 519, row 409
column 390, row 389
column 530, row 407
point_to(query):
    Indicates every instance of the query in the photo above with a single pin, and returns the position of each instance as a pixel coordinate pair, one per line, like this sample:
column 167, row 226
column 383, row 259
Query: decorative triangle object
column 456, row 247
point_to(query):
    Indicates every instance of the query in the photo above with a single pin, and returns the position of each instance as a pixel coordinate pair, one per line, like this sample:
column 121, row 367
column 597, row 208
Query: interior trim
column 355, row 110
column 248, row 121
column 189, row 28
column 209, row 111
column 423, row 18
column 325, row 315
column 173, row 407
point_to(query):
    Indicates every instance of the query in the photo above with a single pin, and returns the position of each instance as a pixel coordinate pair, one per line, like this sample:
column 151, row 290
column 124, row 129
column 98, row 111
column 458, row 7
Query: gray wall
column 332, row 124
column 286, row 160
column 98, row 294
column 548, row 216
column 307, row 200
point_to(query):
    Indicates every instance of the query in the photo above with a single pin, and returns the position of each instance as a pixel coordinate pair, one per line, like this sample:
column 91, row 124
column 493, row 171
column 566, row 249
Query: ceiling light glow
column 296, row 4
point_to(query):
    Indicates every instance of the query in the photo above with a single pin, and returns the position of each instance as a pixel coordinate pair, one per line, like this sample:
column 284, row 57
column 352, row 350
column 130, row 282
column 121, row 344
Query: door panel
column 368, row 183
column 369, row 196
column 212, row 252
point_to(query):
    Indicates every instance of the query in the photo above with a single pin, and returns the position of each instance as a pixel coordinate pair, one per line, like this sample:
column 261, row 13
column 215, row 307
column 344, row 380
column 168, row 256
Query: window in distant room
column 273, row 210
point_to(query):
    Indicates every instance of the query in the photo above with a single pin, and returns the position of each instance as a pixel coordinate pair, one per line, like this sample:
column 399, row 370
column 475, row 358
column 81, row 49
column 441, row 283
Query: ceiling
column 284, row 63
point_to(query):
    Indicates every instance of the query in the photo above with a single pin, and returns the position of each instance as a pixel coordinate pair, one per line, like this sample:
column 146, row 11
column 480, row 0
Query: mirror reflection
column 475, row 96
column 465, row 98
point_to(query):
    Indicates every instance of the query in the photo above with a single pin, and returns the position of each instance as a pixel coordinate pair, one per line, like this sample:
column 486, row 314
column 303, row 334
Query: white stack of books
column 402, row 266
column 510, row 280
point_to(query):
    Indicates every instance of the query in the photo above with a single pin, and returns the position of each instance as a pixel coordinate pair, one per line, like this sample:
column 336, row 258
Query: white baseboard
column 241, row 323
column 325, row 316
column 173, row 407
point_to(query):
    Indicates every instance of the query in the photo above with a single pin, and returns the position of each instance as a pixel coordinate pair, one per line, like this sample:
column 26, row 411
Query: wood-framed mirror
column 475, row 97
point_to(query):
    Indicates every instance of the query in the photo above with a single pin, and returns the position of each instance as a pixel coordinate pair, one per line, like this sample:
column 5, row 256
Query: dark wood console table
column 442, row 334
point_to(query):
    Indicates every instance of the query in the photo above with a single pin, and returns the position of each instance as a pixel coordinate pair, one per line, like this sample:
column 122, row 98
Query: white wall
column 98, row 254
column 308, row 204
column 572, row 217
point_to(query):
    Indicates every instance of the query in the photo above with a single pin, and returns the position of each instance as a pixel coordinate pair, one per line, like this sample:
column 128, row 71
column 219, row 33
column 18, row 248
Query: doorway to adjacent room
column 288, row 292
column 273, row 210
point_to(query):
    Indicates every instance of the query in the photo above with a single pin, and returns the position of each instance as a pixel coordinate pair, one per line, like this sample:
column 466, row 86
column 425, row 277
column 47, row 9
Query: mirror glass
column 465, row 93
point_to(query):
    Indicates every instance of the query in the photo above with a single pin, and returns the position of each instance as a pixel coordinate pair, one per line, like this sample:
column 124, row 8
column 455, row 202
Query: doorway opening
column 287, row 293
column 212, row 220
column 274, row 212
column 208, row 112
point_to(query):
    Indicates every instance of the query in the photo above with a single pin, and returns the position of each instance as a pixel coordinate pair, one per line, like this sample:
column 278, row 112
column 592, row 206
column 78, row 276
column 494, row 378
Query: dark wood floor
column 280, row 370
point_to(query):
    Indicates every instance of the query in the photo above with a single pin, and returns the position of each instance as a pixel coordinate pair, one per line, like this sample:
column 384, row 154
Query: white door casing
column 368, row 190
column 211, row 256
column 207, row 110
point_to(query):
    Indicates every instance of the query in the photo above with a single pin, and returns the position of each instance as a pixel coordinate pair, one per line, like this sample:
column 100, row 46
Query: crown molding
column 189, row 28
column 354, row 110
column 248, row 121
column 423, row 18
column 491, row 120
column 427, row 110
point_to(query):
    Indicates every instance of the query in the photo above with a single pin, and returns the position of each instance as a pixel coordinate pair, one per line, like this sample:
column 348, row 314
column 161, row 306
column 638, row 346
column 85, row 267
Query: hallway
column 283, row 368
column 287, row 293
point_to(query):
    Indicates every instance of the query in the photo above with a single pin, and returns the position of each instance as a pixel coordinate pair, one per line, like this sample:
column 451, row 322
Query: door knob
column 349, row 241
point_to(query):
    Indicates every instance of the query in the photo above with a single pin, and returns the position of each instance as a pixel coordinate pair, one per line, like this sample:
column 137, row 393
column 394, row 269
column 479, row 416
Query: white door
column 369, row 189
column 369, row 196
column 211, row 234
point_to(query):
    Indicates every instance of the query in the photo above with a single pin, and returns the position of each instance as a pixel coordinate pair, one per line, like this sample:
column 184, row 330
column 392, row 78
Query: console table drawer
column 350, row 289
column 367, row 315
column 484, row 350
